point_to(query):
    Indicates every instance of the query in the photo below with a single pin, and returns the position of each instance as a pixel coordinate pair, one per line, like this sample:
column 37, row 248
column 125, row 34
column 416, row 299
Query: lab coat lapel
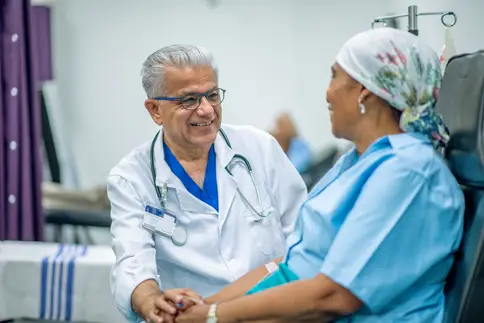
column 163, row 171
column 227, row 186
column 176, row 190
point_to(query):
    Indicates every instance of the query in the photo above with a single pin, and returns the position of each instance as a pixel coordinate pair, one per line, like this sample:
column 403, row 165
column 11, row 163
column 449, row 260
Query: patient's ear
column 155, row 110
column 364, row 94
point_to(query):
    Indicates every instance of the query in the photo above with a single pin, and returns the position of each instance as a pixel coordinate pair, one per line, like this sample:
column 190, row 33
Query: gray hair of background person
column 178, row 56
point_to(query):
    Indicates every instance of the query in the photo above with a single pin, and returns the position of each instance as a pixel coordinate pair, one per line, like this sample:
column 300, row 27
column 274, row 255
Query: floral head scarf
column 403, row 70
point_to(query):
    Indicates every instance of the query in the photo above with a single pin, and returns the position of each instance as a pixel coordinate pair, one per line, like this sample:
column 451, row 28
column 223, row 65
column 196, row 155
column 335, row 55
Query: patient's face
column 190, row 128
column 342, row 97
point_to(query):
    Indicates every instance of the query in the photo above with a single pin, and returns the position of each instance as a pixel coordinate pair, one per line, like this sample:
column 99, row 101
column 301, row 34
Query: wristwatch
column 212, row 314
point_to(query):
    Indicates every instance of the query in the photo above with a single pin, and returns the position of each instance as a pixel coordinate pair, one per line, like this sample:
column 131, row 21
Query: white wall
column 274, row 55
column 320, row 29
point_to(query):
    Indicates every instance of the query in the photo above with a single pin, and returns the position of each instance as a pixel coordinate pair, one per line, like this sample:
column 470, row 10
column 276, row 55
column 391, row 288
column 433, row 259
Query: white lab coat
column 220, row 247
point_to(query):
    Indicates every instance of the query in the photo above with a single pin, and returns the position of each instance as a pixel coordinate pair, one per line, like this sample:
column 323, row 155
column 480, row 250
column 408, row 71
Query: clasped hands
column 180, row 305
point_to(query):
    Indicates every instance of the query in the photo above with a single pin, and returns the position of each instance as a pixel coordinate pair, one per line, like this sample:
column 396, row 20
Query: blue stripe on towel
column 70, row 281
column 43, row 282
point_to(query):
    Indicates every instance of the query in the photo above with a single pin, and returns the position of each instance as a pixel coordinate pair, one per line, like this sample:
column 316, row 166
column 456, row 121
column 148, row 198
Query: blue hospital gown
column 385, row 226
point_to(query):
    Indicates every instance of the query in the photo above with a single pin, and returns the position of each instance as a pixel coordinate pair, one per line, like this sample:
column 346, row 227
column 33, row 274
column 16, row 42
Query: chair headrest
column 461, row 103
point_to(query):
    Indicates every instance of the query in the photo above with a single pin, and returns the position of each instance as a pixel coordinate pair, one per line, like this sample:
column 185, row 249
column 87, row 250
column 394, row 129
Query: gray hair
column 179, row 56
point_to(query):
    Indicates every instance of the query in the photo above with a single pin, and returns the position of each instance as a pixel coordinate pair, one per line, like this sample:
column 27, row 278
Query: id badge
column 158, row 221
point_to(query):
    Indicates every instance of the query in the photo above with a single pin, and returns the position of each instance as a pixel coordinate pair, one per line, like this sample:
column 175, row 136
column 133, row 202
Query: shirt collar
column 223, row 153
column 407, row 139
column 396, row 142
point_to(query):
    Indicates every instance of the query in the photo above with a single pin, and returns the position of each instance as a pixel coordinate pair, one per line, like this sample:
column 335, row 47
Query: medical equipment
column 164, row 222
column 261, row 213
column 448, row 50
column 412, row 18
column 271, row 267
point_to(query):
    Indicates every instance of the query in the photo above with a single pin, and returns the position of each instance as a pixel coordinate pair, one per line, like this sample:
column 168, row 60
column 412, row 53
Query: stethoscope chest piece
column 179, row 236
column 264, row 214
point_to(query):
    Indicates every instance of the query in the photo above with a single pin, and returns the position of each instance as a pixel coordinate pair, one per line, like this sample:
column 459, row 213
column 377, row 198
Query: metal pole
column 412, row 20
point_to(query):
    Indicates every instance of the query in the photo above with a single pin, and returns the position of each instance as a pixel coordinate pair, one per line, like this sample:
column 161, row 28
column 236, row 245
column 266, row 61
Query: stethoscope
column 178, row 234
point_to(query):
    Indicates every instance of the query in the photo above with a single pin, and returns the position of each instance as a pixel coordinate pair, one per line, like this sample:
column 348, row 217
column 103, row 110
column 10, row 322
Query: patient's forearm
column 302, row 320
column 240, row 286
column 317, row 319
column 308, row 300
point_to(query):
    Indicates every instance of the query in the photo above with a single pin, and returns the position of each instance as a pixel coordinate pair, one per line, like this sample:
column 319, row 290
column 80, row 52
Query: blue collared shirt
column 299, row 154
column 385, row 226
column 209, row 193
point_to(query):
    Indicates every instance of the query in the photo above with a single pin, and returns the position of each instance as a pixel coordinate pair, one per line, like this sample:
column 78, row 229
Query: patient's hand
column 196, row 314
column 188, row 298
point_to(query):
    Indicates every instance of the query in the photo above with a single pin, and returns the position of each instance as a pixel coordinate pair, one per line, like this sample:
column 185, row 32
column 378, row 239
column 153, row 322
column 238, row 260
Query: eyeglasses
column 191, row 101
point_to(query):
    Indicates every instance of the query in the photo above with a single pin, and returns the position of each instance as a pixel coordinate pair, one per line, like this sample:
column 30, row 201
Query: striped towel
column 57, row 282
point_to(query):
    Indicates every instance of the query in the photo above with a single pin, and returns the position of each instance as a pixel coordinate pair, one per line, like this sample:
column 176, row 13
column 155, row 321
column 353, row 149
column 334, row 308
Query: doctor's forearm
column 240, row 286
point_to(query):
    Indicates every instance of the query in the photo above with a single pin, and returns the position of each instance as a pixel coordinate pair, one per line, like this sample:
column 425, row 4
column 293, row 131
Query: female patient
column 376, row 238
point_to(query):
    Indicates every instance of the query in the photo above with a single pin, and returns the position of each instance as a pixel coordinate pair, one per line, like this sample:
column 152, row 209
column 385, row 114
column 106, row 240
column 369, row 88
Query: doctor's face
column 342, row 96
column 197, row 127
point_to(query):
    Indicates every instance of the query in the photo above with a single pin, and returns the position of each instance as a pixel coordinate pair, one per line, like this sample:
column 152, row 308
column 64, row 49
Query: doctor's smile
column 202, row 124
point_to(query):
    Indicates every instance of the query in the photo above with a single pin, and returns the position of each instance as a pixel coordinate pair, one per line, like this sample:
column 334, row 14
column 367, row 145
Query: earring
column 362, row 106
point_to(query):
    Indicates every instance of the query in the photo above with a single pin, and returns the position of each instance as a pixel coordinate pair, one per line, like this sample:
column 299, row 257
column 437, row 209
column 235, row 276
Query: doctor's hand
column 157, row 307
column 172, row 302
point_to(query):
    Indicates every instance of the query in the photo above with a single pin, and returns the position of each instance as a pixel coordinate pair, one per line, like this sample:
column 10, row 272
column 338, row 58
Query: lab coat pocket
column 265, row 232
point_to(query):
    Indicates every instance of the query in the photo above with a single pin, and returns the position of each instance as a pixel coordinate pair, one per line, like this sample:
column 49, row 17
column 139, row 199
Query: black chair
column 78, row 220
column 461, row 103
column 319, row 166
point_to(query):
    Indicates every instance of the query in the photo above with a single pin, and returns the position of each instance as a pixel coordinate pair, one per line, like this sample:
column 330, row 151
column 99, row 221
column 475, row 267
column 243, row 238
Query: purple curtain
column 21, row 215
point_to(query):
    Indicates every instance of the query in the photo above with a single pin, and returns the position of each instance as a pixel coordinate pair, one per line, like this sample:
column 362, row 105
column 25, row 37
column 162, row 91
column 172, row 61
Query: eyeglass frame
column 199, row 95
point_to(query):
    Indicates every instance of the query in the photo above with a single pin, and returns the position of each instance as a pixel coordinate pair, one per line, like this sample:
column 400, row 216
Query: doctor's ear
column 155, row 110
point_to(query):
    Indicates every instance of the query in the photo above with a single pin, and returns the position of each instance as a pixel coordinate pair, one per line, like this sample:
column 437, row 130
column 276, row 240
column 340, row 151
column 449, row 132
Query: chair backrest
column 319, row 166
column 461, row 103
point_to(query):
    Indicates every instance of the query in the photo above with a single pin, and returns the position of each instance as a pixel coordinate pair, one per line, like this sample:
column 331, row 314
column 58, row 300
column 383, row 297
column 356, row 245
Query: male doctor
column 202, row 203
